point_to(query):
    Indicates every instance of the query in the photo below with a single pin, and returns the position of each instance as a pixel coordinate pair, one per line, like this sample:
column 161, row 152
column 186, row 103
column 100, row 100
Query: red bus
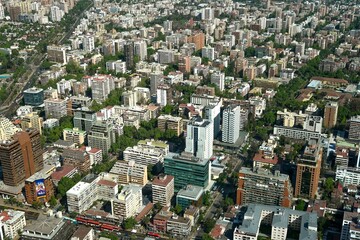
column 152, row 234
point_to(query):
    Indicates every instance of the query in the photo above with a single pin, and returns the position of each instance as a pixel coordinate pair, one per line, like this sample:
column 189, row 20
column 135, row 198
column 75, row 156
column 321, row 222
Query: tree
column 178, row 209
column 52, row 201
column 129, row 223
column 300, row 205
column 37, row 205
column 150, row 171
column 207, row 198
column 206, row 236
column 209, row 224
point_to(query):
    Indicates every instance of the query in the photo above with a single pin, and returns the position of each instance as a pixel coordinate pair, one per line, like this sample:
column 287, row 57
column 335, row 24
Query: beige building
column 128, row 202
column 163, row 190
column 11, row 223
column 7, row 128
column 32, row 120
column 130, row 172
column 74, row 135
column 166, row 122
column 330, row 114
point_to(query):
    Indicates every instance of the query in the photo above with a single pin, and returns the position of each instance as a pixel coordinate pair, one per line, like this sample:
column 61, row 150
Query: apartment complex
column 33, row 96
column 130, row 172
column 354, row 129
column 187, row 169
column 199, row 138
column 168, row 122
column 84, row 119
column 55, row 108
column 163, row 190
column 348, row 175
column 7, row 129
column 330, row 114
column 263, row 187
column 101, row 85
column 77, row 158
column 308, row 170
column 12, row 222
column 101, row 136
column 231, row 124
column 56, row 54
column 281, row 220
column 128, row 202
column 21, row 156
column 147, row 152
column 32, row 120
column 350, row 226
column 74, row 135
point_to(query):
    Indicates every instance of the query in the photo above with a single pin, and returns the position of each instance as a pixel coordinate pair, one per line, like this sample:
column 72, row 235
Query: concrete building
column 129, row 54
column 281, row 220
column 77, row 158
column 12, row 222
column 348, row 175
column 83, row 233
column 178, row 226
column 163, row 190
column 199, row 138
column 164, row 95
column 101, row 86
column 155, row 79
column 350, row 226
column 231, row 124
column 330, row 114
column 308, row 170
column 74, row 135
column 354, row 129
column 130, row 172
column 191, row 195
column 166, row 56
column 56, row 54
column 128, row 202
column 84, row 118
column 212, row 113
column 295, row 133
column 32, row 120
column 7, row 129
column 140, row 50
column 261, row 186
column 117, row 66
column 21, row 157
column 147, row 152
column 33, row 96
column 168, row 122
column 218, row 78
column 187, row 169
column 208, row 52
column 39, row 187
column 101, row 136
column 55, row 108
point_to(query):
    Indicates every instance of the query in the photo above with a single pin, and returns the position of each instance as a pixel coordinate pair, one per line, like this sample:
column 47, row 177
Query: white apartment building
column 208, row 52
column 146, row 154
column 218, row 78
column 199, row 138
column 88, row 42
column 140, row 49
column 116, row 66
column 163, row 190
column 128, row 202
column 11, row 222
column 7, row 128
column 350, row 226
column 101, row 85
column 348, row 175
column 231, row 124
column 55, row 108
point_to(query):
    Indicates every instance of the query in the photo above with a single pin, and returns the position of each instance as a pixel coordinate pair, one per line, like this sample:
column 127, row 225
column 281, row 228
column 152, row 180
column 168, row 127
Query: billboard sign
column 40, row 188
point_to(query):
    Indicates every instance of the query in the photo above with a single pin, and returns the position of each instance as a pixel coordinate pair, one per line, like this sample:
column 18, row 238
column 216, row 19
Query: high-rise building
column 208, row 52
column 101, row 136
column 308, row 170
column 55, row 108
column 2, row 12
column 163, row 95
column 163, row 190
column 7, row 129
column 155, row 79
column 187, row 169
column 129, row 54
column 56, row 54
column 199, row 138
column 101, row 86
column 231, row 124
column 128, row 202
column 348, row 175
column 263, row 187
column 21, row 156
column 167, row 26
column 33, row 96
column 166, row 56
column 190, row 196
column 32, row 120
column 207, row 14
column 212, row 113
column 84, row 118
column 198, row 38
column 218, row 78
column 88, row 43
column 140, row 50
column 330, row 114
column 166, row 122
column 354, row 129
column 77, row 158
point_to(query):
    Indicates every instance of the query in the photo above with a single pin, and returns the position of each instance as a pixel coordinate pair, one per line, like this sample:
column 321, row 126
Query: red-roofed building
column 147, row 209
column 261, row 160
column 107, row 189
column 64, row 171
column 317, row 206
column 217, row 231
column 12, row 222
column 160, row 219
column 163, row 189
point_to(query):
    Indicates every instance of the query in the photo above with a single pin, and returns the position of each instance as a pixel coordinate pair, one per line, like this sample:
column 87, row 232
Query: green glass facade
column 187, row 171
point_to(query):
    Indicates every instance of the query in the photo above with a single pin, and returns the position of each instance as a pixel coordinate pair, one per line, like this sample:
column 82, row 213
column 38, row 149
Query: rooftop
column 163, row 180
column 191, row 192
column 62, row 172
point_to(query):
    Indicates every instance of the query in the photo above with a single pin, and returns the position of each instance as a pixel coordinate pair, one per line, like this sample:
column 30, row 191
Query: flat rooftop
column 191, row 192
